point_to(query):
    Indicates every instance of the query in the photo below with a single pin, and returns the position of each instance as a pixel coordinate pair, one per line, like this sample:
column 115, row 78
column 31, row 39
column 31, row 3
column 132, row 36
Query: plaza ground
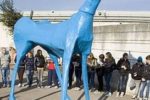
column 34, row 93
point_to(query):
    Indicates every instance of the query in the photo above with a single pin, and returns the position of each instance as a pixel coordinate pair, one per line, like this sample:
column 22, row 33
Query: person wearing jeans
column 123, row 66
column 29, row 62
column 4, row 64
column 52, row 74
column 109, row 65
column 39, row 64
column 5, row 75
column 136, row 73
column 145, row 83
column 91, row 71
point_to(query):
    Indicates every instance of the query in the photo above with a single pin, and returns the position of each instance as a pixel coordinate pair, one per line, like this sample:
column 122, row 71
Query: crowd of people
column 102, row 67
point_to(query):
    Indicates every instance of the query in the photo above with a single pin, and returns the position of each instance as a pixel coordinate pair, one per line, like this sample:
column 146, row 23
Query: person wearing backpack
column 39, row 64
column 136, row 74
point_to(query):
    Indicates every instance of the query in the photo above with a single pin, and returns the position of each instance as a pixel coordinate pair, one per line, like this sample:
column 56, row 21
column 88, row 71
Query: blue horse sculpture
column 74, row 35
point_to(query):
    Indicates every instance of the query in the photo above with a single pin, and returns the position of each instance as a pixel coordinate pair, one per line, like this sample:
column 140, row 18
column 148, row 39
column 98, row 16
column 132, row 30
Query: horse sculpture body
column 74, row 35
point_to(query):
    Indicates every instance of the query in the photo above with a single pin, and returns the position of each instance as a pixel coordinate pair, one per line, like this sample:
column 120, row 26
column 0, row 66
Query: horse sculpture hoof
column 12, row 97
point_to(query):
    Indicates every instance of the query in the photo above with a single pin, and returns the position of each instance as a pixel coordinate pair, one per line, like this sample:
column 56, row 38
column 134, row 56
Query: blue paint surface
column 59, row 40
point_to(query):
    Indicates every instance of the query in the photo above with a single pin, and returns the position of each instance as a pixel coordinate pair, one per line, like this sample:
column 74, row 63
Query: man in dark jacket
column 145, row 83
column 136, row 73
column 123, row 66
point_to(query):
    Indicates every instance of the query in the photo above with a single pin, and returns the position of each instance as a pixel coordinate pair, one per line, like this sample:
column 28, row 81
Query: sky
column 111, row 5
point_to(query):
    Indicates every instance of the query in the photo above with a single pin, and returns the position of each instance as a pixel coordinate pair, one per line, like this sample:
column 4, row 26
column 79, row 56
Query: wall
column 117, row 39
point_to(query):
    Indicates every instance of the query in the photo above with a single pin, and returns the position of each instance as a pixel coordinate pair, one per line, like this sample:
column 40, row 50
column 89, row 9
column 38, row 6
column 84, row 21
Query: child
column 51, row 74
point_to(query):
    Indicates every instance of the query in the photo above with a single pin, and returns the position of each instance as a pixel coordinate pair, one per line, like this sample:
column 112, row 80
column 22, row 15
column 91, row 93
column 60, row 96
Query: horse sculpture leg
column 58, row 72
column 84, row 76
column 66, row 64
column 11, row 96
column 21, row 52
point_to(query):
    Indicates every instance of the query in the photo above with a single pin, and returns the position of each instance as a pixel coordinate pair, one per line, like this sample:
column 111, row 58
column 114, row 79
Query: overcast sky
column 127, row 5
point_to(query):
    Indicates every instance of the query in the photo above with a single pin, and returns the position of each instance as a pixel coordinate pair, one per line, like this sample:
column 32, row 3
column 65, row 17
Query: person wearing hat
column 136, row 74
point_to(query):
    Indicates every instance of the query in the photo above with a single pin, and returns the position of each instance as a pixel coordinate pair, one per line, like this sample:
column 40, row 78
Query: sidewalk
column 34, row 93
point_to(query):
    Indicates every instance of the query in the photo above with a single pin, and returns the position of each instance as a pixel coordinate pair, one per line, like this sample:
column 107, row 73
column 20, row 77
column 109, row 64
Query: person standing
column 52, row 76
column 145, row 83
column 21, row 70
column 136, row 74
column 40, row 65
column 123, row 66
column 71, row 72
column 109, row 65
column 12, row 53
column 92, row 63
column 99, row 72
column 29, row 63
column 4, row 63
column 78, row 71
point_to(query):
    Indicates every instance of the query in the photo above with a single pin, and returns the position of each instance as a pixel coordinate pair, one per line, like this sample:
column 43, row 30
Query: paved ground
column 53, row 94
column 35, row 93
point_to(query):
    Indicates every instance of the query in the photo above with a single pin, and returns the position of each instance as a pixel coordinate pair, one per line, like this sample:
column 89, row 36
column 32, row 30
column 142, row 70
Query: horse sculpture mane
column 74, row 35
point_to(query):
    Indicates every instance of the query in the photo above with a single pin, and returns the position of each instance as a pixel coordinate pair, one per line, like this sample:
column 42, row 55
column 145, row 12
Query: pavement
column 34, row 93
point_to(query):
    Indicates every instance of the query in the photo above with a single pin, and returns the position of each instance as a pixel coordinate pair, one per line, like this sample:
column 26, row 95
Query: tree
column 9, row 15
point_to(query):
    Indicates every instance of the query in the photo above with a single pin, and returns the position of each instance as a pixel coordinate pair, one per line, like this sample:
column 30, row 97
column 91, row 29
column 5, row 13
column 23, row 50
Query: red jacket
column 51, row 66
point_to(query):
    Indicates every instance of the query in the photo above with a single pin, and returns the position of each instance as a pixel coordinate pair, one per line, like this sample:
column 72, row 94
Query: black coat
column 123, row 62
column 109, row 65
column 146, row 72
column 137, row 70
column 40, row 61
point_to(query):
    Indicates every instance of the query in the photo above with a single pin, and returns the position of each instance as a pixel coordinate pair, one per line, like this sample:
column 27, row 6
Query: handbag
column 132, row 84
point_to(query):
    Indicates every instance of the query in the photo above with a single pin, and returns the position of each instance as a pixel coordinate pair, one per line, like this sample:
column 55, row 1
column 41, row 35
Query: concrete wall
column 133, row 39
column 122, row 38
